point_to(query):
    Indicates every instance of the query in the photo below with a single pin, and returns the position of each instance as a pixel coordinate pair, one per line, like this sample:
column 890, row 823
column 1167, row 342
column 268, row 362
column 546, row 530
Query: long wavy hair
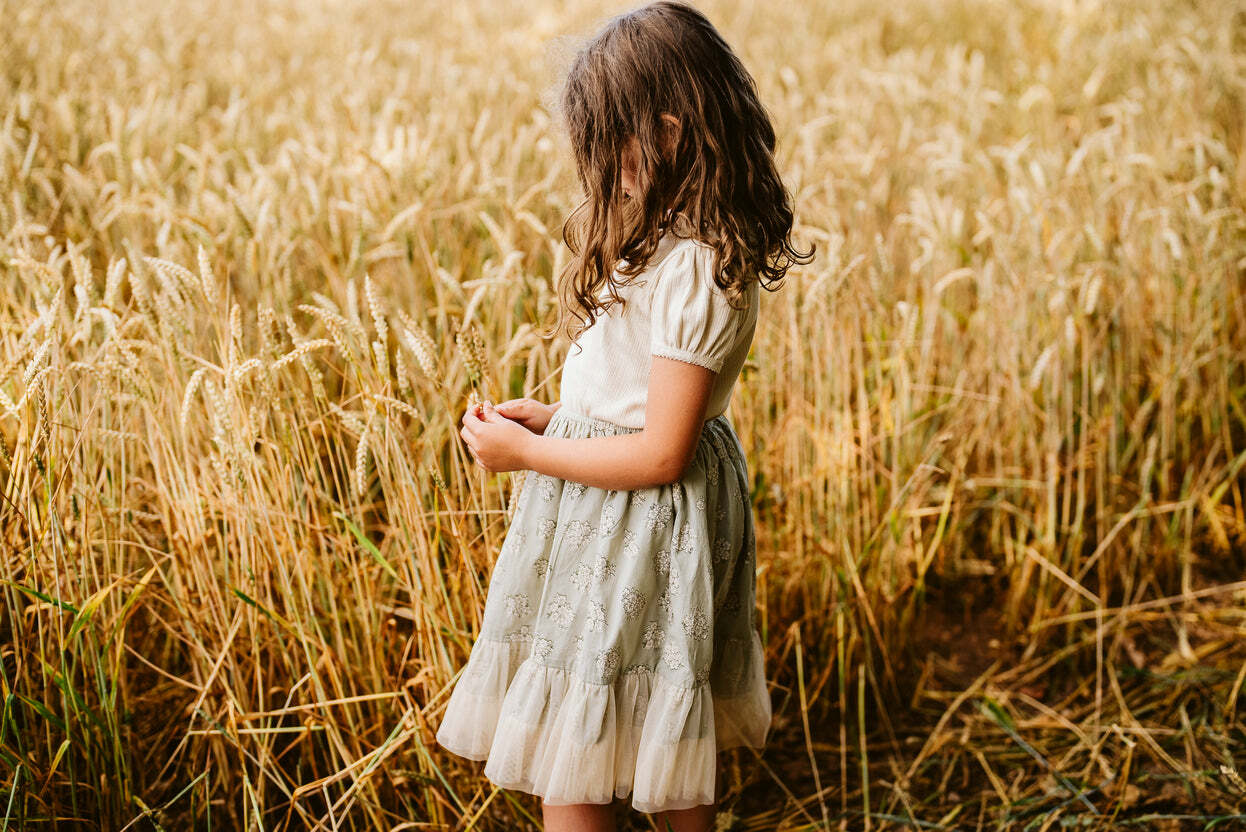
column 712, row 167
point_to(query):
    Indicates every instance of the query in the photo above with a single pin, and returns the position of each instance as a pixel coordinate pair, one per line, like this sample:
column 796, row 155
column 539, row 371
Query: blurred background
column 255, row 257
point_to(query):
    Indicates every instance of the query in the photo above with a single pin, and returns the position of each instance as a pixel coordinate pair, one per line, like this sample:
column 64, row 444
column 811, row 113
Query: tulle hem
column 547, row 731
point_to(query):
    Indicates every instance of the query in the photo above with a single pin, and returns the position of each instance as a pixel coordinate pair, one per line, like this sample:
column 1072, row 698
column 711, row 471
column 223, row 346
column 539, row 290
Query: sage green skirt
column 619, row 650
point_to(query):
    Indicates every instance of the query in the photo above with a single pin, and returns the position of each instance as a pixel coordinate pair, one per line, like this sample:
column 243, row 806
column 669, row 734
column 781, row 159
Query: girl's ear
column 670, row 133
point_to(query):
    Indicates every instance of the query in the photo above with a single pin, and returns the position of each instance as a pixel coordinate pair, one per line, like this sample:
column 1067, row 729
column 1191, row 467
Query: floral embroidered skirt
column 619, row 649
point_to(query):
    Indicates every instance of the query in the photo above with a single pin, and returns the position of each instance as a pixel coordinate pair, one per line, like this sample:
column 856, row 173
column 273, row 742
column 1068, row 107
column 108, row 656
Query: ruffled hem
column 547, row 731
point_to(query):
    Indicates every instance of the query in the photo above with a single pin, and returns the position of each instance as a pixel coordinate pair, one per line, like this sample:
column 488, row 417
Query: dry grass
column 996, row 428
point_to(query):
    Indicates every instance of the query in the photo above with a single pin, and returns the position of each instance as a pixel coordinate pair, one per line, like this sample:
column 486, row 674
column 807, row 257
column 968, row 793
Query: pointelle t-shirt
column 674, row 309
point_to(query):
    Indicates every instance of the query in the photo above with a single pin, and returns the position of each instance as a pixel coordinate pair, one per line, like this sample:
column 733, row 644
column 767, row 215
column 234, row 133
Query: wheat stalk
column 302, row 350
column 403, row 374
column 112, row 284
column 304, row 358
column 207, row 282
column 187, row 397
column 471, row 350
column 337, row 326
column 361, row 458
column 400, row 405
column 376, row 308
column 173, row 278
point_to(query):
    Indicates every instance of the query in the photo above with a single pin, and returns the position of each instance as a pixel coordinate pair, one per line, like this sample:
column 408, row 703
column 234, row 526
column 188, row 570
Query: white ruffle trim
column 546, row 731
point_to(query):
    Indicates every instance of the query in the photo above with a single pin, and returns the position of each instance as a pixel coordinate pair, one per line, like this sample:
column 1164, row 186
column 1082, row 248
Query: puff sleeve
column 691, row 319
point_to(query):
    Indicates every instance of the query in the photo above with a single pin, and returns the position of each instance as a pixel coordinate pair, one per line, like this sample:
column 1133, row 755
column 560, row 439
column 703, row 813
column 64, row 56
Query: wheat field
column 255, row 259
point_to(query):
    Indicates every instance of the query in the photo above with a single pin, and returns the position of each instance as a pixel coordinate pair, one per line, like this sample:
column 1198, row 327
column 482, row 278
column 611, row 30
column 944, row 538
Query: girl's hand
column 530, row 413
column 496, row 442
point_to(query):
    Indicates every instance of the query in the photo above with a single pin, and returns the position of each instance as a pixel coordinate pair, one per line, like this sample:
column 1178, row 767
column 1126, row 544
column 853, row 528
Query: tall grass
column 255, row 260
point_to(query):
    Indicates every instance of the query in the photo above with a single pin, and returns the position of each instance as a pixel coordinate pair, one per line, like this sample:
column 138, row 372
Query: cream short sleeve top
column 673, row 309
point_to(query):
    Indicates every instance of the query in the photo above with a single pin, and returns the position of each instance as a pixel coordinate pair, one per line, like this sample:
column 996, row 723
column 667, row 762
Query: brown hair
column 666, row 57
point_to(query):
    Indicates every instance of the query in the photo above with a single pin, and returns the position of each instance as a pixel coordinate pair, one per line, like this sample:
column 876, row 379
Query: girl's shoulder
column 691, row 317
column 679, row 249
column 683, row 260
column 679, row 235
column 673, row 255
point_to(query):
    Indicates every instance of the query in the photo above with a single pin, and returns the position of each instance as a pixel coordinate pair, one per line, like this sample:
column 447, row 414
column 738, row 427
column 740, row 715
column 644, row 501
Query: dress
column 619, row 648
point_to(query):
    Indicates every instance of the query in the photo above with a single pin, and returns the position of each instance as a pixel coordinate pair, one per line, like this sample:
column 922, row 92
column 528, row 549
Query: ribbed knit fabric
column 673, row 309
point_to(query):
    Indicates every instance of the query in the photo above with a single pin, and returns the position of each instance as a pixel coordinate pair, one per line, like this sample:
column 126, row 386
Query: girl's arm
column 657, row 454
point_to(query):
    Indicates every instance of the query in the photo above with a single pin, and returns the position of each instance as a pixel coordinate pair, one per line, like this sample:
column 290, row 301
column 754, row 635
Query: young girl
column 619, row 648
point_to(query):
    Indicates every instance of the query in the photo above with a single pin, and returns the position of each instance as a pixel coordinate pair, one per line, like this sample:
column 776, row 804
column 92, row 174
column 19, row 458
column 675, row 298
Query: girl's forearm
column 623, row 462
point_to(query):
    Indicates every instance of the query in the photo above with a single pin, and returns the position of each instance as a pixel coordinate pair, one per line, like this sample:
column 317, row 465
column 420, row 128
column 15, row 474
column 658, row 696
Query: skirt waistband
column 592, row 421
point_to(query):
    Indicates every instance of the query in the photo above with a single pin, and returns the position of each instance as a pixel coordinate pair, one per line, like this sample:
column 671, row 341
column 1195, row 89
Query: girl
column 619, row 649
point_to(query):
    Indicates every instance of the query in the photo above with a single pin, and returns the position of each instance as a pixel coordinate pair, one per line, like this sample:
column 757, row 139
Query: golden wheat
column 996, row 431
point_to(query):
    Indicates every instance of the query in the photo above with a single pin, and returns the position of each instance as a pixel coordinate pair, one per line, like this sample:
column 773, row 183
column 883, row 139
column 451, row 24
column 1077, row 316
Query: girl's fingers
column 511, row 407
